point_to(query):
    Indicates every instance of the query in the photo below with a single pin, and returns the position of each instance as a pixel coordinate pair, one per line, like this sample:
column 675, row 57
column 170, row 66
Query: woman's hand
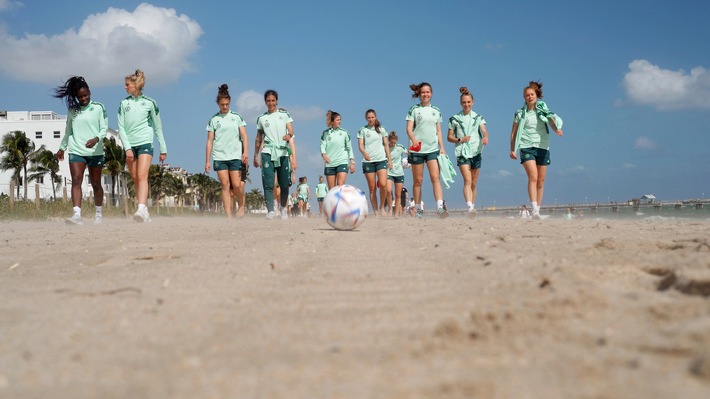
column 91, row 143
column 512, row 155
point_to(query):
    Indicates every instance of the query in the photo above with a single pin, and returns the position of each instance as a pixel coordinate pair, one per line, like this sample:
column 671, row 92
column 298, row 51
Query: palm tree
column 44, row 162
column 17, row 149
column 254, row 199
column 115, row 162
column 204, row 187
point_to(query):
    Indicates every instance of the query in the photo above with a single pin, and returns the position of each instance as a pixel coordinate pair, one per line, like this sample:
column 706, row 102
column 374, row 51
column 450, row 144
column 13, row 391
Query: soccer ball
column 345, row 207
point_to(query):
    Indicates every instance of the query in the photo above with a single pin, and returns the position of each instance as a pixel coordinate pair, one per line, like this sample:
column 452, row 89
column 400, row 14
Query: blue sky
column 629, row 78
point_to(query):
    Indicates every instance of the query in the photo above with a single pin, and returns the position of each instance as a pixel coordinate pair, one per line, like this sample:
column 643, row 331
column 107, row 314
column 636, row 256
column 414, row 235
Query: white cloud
column 307, row 113
column 644, row 143
column 649, row 84
column 9, row 5
column 575, row 170
column 628, row 166
column 107, row 47
column 502, row 173
column 250, row 104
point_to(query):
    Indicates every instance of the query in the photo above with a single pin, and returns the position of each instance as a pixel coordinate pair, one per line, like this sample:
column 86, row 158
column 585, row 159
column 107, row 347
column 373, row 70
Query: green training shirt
column 336, row 145
column 534, row 133
column 373, row 143
column 425, row 120
column 227, row 144
column 83, row 125
column 138, row 121
column 302, row 190
column 273, row 126
column 321, row 190
column 397, row 153
column 467, row 126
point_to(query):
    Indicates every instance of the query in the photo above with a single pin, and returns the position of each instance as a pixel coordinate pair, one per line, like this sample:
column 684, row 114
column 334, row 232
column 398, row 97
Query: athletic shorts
column 421, row 158
column 474, row 163
column 304, row 199
column 372, row 167
column 332, row 171
column 396, row 179
column 541, row 157
column 320, row 199
column 231, row 165
column 91, row 161
column 143, row 149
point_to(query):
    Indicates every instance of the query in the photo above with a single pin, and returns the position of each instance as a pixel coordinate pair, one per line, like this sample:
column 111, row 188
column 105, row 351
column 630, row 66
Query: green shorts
column 396, row 179
column 142, row 149
column 332, row 171
column 540, row 156
column 416, row 158
column 91, row 161
column 474, row 163
column 372, row 167
column 231, row 165
column 320, row 199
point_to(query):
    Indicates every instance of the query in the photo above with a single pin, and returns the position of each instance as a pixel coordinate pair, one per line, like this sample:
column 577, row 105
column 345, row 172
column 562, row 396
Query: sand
column 456, row 308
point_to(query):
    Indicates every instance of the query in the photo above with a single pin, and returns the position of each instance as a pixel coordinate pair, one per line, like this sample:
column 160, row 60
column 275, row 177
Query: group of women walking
column 383, row 164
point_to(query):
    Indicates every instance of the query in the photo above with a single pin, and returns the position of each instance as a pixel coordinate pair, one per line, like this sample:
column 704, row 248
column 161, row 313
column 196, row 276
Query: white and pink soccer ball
column 345, row 207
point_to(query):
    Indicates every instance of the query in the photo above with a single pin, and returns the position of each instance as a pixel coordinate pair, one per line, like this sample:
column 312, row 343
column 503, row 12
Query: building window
column 40, row 180
column 57, row 134
column 38, row 135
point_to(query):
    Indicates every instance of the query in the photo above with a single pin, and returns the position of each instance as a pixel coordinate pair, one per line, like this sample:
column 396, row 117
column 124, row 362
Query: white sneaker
column 270, row 215
column 472, row 213
column 74, row 219
column 284, row 214
column 98, row 218
column 142, row 216
column 536, row 214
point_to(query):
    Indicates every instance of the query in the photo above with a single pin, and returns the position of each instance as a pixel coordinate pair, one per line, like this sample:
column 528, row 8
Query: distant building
column 45, row 128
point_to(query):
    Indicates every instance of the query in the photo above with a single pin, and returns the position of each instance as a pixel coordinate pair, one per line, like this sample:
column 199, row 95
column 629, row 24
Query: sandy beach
column 202, row 307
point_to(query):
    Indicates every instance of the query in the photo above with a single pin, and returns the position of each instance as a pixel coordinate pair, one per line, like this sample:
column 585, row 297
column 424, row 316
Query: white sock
column 534, row 206
column 419, row 207
column 77, row 210
column 141, row 207
column 439, row 203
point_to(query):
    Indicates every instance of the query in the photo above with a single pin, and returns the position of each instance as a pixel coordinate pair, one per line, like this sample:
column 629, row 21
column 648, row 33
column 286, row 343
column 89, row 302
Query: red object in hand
column 416, row 148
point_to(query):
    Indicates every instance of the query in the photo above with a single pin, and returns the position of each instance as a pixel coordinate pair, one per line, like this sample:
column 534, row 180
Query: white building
column 45, row 128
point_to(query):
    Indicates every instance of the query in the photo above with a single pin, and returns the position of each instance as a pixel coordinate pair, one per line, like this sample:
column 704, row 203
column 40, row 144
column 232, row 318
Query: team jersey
column 302, row 190
column 467, row 126
column 138, row 121
column 227, row 143
column 373, row 143
column 397, row 153
column 425, row 120
column 336, row 145
column 273, row 125
column 84, row 124
column 534, row 133
column 321, row 190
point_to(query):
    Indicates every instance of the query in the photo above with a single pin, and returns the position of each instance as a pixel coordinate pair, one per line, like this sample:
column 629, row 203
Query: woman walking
column 138, row 122
column 86, row 128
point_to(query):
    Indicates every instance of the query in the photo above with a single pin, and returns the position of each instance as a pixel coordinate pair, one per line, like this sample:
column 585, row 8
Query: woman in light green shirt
column 372, row 142
column 530, row 135
column 336, row 149
column 395, row 175
column 426, row 144
column 227, row 145
column 138, row 121
column 86, row 128
column 468, row 131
